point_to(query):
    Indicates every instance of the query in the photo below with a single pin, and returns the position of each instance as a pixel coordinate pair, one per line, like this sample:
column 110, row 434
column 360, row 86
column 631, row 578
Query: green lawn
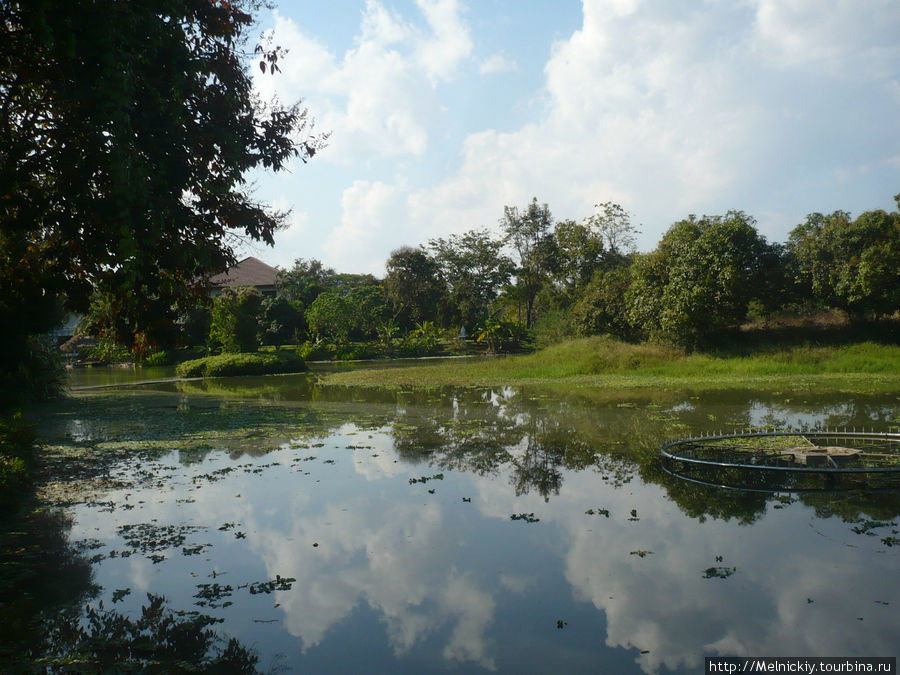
column 601, row 361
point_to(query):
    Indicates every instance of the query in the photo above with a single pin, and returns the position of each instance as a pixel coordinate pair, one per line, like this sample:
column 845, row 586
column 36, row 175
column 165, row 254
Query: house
column 249, row 272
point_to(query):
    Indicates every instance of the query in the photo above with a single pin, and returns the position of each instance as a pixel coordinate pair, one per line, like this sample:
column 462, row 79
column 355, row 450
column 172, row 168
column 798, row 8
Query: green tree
column 474, row 269
column 853, row 265
column 369, row 306
column 700, row 279
column 235, row 320
column 613, row 225
column 127, row 131
column 330, row 316
column 304, row 281
column 602, row 308
column 414, row 286
column 528, row 232
column 281, row 321
column 580, row 254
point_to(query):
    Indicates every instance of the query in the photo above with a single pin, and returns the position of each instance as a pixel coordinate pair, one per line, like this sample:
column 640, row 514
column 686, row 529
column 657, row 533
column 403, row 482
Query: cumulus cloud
column 449, row 43
column 377, row 99
column 668, row 108
column 841, row 37
column 674, row 108
column 496, row 63
column 370, row 214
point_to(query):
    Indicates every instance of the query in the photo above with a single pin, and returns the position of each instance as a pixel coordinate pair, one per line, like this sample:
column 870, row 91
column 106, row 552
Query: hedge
column 226, row 365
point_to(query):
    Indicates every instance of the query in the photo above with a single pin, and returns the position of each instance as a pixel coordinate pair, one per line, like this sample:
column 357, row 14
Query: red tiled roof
column 248, row 272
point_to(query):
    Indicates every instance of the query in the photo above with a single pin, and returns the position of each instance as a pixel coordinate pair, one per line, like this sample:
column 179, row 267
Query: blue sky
column 443, row 111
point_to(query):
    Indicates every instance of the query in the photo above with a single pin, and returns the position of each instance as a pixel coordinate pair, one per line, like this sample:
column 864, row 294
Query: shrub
column 16, row 454
column 109, row 351
column 316, row 351
column 226, row 365
column 498, row 335
column 38, row 373
column 169, row 357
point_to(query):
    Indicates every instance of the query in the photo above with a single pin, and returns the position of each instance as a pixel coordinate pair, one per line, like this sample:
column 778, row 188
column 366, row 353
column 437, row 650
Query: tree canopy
column 700, row 279
column 850, row 264
column 127, row 130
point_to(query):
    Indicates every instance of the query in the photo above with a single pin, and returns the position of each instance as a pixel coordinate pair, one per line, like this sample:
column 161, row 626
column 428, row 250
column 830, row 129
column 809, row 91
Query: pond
column 479, row 529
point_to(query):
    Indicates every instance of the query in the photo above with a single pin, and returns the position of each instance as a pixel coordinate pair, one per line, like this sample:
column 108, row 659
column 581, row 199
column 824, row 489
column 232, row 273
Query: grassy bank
column 601, row 361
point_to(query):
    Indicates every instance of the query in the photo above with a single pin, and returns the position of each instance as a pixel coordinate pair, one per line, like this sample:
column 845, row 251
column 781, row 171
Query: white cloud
column 450, row 42
column 377, row 99
column 669, row 109
column 370, row 214
column 496, row 63
column 666, row 107
column 840, row 36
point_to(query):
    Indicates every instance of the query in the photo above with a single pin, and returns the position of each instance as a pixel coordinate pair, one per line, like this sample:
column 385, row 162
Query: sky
column 442, row 112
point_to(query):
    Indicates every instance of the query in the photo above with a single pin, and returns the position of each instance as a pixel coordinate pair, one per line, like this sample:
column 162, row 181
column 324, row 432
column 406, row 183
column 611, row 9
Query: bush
column 316, row 351
column 36, row 373
column 166, row 357
column 16, row 455
column 109, row 351
column 226, row 365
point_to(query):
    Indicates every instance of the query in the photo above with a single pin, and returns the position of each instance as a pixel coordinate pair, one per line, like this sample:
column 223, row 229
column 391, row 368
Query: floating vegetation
column 120, row 593
column 641, row 553
column 425, row 479
column 209, row 595
column 599, row 512
column 718, row 572
column 279, row 583
column 150, row 538
column 527, row 517
column 866, row 526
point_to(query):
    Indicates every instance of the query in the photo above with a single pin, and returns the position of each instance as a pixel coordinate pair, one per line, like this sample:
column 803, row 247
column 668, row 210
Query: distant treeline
column 571, row 278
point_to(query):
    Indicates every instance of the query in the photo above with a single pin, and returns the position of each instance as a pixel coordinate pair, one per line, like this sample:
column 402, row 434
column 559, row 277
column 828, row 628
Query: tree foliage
column 281, row 321
column 414, row 286
column 602, row 308
column 474, row 269
column 369, row 310
column 613, row 225
column 126, row 133
column 699, row 280
column 304, row 281
column 853, row 265
column 581, row 253
column 235, row 320
column 330, row 316
column 528, row 232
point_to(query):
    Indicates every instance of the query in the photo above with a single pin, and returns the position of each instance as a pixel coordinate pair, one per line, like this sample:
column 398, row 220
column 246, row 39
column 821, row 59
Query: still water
column 505, row 529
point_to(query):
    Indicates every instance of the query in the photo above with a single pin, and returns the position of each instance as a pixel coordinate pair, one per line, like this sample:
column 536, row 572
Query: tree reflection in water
column 45, row 581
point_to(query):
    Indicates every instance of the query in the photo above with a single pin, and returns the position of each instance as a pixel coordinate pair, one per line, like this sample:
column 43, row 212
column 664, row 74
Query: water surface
column 504, row 529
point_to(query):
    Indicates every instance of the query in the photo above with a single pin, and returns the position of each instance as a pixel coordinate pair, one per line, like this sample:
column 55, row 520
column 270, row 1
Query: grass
column 602, row 361
column 260, row 363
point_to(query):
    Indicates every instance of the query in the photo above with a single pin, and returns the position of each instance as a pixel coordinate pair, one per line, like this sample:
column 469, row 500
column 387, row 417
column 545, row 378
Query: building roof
column 248, row 272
